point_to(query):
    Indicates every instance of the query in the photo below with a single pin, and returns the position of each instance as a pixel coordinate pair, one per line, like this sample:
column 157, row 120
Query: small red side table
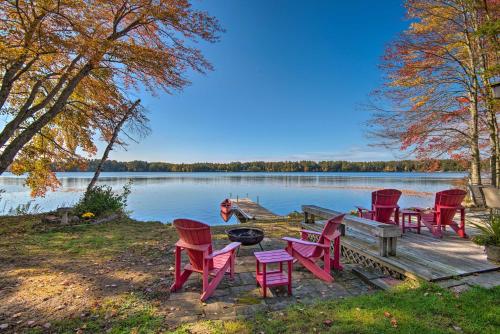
column 406, row 221
column 277, row 277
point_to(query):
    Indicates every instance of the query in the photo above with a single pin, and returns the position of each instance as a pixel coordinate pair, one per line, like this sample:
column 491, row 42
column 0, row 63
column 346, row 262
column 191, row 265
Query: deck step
column 376, row 278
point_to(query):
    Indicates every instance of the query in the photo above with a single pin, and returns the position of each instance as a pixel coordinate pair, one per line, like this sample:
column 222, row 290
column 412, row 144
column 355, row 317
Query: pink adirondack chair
column 384, row 207
column 446, row 205
column 308, row 253
column 196, row 239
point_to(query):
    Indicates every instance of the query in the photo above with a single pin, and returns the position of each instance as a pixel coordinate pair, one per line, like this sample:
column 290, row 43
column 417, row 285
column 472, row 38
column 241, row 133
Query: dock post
column 237, row 198
column 257, row 199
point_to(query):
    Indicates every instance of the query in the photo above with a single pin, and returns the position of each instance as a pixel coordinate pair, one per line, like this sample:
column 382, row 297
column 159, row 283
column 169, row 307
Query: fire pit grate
column 248, row 236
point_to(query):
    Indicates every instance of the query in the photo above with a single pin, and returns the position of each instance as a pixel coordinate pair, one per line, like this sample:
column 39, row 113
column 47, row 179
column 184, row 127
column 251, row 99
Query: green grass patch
column 407, row 309
column 103, row 240
column 215, row 327
column 427, row 309
column 249, row 299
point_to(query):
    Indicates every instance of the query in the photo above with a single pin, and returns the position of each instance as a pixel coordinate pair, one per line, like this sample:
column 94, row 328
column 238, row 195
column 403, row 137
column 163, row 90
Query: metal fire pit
column 248, row 236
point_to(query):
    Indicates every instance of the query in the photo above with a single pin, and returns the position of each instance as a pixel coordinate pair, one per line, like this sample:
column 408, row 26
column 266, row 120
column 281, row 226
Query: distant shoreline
column 446, row 165
column 459, row 174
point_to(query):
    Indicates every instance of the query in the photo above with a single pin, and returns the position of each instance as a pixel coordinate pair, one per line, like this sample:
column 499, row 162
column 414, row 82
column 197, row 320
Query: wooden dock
column 246, row 209
column 419, row 256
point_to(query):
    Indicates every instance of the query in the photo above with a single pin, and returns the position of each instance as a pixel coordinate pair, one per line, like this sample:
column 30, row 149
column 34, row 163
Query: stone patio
column 242, row 297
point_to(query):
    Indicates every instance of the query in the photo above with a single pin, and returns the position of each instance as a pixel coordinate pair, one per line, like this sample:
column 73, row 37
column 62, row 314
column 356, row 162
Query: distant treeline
column 280, row 166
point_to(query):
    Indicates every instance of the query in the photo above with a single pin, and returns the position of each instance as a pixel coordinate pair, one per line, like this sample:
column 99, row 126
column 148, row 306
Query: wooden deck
column 246, row 209
column 418, row 255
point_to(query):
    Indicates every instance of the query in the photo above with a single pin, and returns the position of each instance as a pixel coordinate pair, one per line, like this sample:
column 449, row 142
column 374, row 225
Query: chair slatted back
column 194, row 233
column 385, row 197
column 330, row 232
column 449, row 198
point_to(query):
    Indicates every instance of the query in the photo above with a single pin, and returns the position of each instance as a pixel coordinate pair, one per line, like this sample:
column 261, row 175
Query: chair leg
column 438, row 232
column 289, row 277
column 180, row 278
column 210, row 286
column 462, row 233
column 460, row 230
column 435, row 229
column 209, row 289
column 336, row 254
column 205, row 277
column 313, row 268
column 232, row 259
column 326, row 260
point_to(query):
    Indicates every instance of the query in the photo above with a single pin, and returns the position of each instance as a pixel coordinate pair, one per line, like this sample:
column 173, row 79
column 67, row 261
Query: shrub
column 102, row 199
column 490, row 232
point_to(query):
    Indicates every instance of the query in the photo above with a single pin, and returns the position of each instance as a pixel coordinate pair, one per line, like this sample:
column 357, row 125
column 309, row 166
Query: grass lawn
column 408, row 309
column 114, row 278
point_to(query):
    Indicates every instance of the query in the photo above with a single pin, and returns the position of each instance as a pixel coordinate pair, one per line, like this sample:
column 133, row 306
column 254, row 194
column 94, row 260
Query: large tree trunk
column 475, row 171
column 111, row 142
column 473, row 92
column 27, row 110
column 19, row 66
column 11, row 150
column 491, row 58
column 497, row 165
column 494, row 158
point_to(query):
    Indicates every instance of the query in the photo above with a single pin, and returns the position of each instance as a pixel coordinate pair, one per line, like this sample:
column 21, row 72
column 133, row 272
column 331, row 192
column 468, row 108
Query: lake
column 166, row 196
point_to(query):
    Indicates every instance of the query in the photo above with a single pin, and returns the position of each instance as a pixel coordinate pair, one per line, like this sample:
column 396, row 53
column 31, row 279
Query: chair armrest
column 229, row 248
column 304, row 242
column 310, row 232
column 380, row 206
column 201, row 248
column 419, row 209
column 459, row 207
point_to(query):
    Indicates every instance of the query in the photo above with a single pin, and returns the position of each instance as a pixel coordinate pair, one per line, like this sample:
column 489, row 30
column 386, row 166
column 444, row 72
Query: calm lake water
column 166, row 196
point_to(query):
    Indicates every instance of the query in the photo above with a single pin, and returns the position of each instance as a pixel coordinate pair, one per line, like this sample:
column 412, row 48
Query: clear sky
column 289, row 83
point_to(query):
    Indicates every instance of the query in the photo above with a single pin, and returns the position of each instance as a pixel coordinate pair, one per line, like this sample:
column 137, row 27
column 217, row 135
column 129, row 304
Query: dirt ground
column 96, row 275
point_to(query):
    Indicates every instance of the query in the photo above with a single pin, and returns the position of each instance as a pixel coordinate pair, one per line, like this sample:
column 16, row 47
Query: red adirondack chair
column 196, row 239
column 446, row 205
column 308, row 253
column 384, row 207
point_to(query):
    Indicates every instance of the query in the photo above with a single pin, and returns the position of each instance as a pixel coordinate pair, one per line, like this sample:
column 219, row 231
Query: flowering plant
column 88, row 215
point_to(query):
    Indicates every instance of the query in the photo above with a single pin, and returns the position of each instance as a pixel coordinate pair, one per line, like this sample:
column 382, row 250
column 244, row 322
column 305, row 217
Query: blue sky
column 289, row 83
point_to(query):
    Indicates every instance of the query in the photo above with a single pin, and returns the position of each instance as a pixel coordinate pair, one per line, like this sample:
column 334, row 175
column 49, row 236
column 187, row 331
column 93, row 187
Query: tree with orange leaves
column 66, row 67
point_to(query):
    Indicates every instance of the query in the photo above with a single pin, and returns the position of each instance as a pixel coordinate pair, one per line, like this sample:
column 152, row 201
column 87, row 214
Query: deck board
column 246, row 209
column 422, row 255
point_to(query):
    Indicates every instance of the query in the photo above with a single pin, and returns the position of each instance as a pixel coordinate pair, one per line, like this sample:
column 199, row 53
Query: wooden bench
column 387, row 234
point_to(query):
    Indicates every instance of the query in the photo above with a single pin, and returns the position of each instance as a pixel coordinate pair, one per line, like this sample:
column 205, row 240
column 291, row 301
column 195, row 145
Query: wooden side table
column 406, row 220
column 277, row 277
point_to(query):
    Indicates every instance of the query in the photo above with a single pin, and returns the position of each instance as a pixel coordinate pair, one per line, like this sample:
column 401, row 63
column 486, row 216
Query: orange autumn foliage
column 69, row 65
